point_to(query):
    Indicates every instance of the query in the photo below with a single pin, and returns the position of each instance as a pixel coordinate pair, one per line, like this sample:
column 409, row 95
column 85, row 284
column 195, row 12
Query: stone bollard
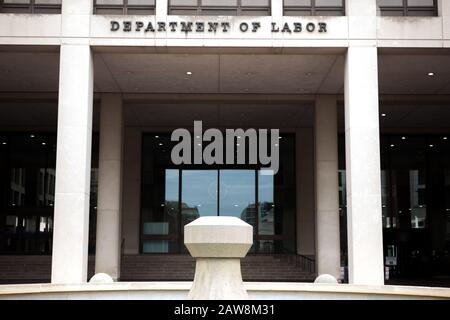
column 101, row 278
column 326, row 278
column 218, row 244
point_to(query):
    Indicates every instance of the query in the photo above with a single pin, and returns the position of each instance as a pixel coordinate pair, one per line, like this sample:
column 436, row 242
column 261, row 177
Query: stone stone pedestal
column 218, row 244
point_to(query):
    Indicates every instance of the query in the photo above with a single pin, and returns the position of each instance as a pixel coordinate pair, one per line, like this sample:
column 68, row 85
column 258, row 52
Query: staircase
column 154, row 267
column 164, row 267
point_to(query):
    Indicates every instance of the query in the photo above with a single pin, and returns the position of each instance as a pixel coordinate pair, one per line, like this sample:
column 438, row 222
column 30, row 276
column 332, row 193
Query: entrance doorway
column 173, row 196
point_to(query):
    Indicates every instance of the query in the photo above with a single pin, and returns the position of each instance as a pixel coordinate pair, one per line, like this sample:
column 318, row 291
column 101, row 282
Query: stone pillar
column 277, row 9
column 109, row 206
column 362, row 19
column 218, row 244
column 73, row 165
column 444, row 12
column 304, row 155
column 75, row 20
column 132, row 184
column 161, row 9
column 327, row 187
column 364, row 219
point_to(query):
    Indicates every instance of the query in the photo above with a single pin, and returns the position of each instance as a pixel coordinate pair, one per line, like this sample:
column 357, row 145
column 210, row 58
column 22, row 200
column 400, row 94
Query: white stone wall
column 77, row 30
column 360, row 24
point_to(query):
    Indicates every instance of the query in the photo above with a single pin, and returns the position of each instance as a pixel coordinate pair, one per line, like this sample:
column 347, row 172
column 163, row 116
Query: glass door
column 198, row 194
column 237, row 194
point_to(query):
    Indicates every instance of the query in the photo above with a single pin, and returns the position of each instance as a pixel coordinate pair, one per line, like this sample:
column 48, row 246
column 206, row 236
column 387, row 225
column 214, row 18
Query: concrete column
column 132, row 184
column 161, row 9
column 327, row 187
column 277, row 9
column 444, row 12
column 305, row 191
column 73, row 165
column 364, row 220
column 109, row 206
column 75, row 19
column 362, row 19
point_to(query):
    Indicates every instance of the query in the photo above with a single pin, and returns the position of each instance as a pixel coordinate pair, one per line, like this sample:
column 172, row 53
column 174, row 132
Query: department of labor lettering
column 214, row 27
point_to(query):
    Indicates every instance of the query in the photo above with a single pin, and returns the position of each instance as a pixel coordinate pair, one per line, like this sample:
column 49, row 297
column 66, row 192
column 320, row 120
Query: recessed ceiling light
column 31, row 135
column 431, row 74
column 403, row 138
column 189, row 73
column 392, row 145
column 156, row 137
column 431, row 145
column 238, row 144
column 160, row 144
column 199, row 144
column 444, row 138
column 383, row 114
column 43, row 143
column 198, row 137
column 276, row 145
column 3, row 143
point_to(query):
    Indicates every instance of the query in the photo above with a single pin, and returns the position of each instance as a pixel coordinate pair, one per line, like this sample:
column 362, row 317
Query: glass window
column 220, row 7
column 27, row 192
column 314, row 8
column 199, row 194
column 173, row 196
column 408, row 7
column 266, row 204
column 30, row 6
column 125, row 7
column 415, row 181
column 237, row 194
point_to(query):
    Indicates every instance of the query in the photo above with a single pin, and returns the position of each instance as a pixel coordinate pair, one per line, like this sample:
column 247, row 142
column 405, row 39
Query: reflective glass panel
column 199, row 194
column 237, row 194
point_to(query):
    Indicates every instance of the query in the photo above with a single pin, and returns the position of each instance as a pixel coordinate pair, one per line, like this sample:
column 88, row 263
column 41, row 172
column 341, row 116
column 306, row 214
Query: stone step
column 157, row 267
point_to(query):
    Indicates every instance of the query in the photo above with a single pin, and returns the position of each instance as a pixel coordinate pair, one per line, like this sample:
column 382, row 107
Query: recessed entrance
column 174, row 196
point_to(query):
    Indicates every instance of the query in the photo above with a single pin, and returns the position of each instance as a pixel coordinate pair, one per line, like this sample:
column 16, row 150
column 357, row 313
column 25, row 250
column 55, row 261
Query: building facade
column 91, row 90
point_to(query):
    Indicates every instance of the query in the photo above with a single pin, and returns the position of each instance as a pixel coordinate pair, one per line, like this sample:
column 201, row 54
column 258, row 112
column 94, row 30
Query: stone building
column 90, row 91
